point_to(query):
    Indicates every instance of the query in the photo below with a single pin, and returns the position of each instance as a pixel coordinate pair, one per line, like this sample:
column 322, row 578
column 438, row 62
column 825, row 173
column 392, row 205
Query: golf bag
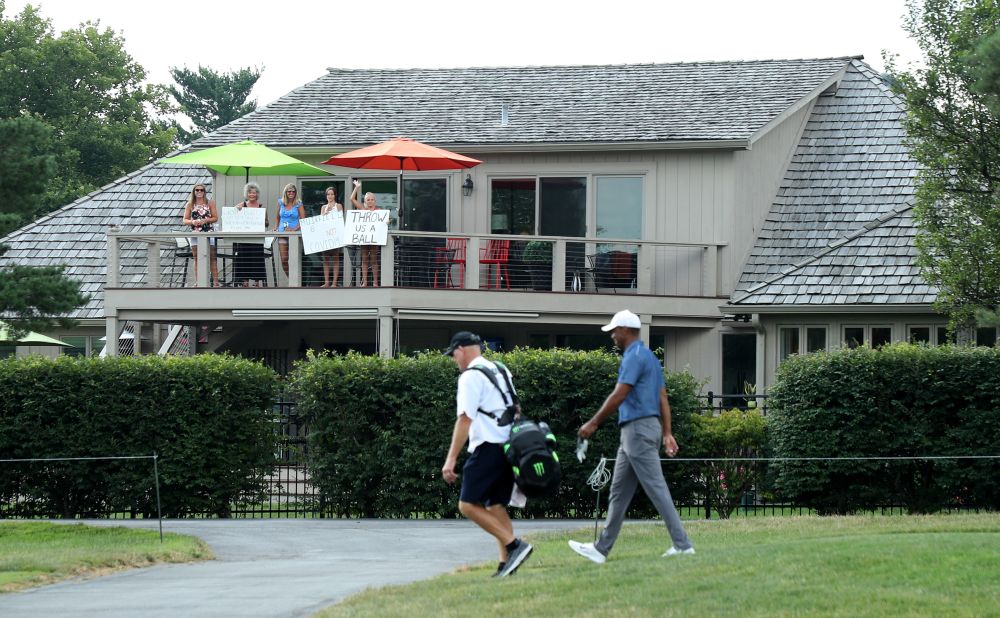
column 531, row 447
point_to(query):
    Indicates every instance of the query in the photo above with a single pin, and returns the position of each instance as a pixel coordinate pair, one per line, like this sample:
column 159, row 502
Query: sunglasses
column 291, row 191
column 199, row 190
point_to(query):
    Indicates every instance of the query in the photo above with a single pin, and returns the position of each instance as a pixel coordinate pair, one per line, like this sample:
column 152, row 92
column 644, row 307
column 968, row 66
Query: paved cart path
column 270, row 568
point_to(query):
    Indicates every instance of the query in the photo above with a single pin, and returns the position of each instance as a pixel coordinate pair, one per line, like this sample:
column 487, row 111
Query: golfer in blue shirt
column 644, row 420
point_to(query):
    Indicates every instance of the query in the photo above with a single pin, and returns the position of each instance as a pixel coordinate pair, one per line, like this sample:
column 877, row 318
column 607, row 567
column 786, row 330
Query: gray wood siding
column 696, row 350
column 758, row 175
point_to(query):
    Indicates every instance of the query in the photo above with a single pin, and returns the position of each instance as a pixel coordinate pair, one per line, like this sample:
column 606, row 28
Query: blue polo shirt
column 642, row 371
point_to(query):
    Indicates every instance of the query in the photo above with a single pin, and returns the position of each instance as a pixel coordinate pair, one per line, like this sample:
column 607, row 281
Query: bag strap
column 507, row 401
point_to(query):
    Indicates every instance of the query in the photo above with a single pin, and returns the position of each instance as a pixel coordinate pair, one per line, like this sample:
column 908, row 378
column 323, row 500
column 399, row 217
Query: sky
column 296, row 41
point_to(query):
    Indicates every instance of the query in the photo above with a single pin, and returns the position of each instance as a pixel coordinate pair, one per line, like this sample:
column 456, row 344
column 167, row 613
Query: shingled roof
column 150, row 199
column 841, row 230
column 563, row 104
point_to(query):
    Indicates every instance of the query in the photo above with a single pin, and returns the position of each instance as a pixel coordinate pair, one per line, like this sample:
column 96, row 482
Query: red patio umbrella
column 402, row 153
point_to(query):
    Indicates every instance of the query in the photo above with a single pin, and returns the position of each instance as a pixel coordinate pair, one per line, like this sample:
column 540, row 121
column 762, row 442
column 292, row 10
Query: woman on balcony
column 333, row 255
column 290, row 213
column 369, row 253
column 200, row 213
column 250, row 268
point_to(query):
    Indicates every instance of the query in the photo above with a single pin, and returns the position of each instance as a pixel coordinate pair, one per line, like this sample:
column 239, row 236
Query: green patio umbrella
column 32, row 338
column 248, row 157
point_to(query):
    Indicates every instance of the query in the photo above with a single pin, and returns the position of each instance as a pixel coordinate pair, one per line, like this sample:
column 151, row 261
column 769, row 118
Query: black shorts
column 487, row 478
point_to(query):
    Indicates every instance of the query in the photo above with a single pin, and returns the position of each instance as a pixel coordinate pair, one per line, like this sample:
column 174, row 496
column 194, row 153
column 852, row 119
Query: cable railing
column 428, row 260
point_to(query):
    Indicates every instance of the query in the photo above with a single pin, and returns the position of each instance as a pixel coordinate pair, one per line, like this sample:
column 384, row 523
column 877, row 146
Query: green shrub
column 732, row 434
column 537, row 252
column 207, row 417
column 380, row 428
column 900, row 400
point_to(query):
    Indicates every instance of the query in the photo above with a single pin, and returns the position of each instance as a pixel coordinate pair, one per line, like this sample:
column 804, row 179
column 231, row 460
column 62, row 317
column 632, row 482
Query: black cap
column 462, row 339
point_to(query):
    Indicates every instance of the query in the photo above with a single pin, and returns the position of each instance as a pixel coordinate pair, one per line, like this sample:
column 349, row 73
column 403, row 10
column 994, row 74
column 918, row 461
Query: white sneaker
column 673, row 551
column 588, row 551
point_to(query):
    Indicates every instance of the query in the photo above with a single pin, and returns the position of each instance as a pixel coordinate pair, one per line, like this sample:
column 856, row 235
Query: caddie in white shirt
column 487, row 478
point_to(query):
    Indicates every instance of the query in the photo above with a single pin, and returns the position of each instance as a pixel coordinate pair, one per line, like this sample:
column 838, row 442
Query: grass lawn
column 947, row 565
column 34, row 553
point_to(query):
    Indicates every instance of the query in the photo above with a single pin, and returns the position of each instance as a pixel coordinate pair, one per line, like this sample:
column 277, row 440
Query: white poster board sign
column 322, row 233
column 243, row 219
column 366, row 227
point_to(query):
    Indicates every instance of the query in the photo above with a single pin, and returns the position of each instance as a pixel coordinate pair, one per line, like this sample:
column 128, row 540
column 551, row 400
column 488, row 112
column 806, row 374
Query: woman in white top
column 369, row 253
column 332, row 255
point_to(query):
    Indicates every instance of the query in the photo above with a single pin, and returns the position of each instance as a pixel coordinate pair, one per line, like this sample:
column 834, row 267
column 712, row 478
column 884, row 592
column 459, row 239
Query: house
column 745, row 210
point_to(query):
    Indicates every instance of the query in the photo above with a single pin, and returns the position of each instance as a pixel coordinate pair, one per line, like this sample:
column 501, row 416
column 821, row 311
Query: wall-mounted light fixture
column 467, row 186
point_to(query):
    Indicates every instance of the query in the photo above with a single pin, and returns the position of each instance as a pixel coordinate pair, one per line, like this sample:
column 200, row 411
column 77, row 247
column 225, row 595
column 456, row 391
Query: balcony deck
column 424, row 276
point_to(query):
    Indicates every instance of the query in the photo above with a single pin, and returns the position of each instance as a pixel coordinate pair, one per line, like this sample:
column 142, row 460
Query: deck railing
column 423, row 260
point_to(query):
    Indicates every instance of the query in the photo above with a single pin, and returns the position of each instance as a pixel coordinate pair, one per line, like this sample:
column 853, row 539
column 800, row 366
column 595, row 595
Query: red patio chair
column 496, row 253
column 451, row 254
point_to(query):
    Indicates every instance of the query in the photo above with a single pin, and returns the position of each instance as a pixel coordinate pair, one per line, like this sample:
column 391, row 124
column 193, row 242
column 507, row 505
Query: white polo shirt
column 475, row 391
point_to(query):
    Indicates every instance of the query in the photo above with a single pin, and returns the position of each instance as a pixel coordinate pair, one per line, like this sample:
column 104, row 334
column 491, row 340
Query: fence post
column 156, row 476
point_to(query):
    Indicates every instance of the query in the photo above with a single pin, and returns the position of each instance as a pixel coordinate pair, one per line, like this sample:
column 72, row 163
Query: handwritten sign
column 243, row 219
column 322, row 233
column 366, row 227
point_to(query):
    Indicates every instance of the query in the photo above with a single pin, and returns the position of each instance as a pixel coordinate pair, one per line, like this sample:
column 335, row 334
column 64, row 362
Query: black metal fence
column 716, row 403
column 291, row 494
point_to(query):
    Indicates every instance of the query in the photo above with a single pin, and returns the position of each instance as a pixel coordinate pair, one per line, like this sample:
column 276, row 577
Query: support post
column 385, row 335
column 388, row 265
column 111, row 335
column 559, row 266
column 154, row 263
column 294, row 262
column 472, row 264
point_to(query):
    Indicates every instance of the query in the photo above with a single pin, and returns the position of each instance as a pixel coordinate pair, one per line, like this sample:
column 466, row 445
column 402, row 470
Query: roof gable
column 151, row 199
column 845, row 203
column 547, row 105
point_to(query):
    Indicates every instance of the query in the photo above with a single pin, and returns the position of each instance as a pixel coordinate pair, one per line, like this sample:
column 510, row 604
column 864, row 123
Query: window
column 788, row 338
column 96, row 346
column 386, row 197
column 78, row 346
column 513, row 207
column 619, row 207
column 876, row 336
column 7, row 351
column 562, row 207
column 558, row 206
column 815, row 339
column 944, row 336
column 920, row 334
column 986, row 336
column 425, row 205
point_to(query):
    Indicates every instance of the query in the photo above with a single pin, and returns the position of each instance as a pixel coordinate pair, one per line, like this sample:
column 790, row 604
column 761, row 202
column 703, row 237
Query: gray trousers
column 638, row 462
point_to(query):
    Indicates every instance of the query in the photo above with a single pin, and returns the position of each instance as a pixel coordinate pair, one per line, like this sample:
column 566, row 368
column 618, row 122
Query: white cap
column 623, row 318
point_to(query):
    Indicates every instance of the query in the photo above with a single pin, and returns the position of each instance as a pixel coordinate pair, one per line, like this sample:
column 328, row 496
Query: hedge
column 900, row 400
column 208, row 418
column 380, row 428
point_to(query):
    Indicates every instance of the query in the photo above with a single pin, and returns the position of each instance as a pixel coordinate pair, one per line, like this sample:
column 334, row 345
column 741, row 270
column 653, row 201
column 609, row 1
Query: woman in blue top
column 290, row 212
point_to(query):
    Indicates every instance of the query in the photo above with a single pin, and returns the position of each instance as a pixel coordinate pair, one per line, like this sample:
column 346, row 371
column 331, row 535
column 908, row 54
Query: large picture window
column 513, row 206
column 619, row 207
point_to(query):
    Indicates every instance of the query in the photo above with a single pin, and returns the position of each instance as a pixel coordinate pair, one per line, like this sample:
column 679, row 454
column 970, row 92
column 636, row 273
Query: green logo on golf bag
column 540, row 468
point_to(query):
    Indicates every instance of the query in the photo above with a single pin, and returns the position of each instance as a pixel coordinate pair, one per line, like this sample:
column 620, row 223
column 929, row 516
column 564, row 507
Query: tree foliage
column 953, row 122
column 26, row 165
column 88, row 91
column 212, row 99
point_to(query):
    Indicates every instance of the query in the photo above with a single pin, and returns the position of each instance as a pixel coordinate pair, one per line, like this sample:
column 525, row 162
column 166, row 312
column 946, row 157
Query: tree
column 953, row 124
column 86, row 88
column 211, row 99
column 25, row 168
